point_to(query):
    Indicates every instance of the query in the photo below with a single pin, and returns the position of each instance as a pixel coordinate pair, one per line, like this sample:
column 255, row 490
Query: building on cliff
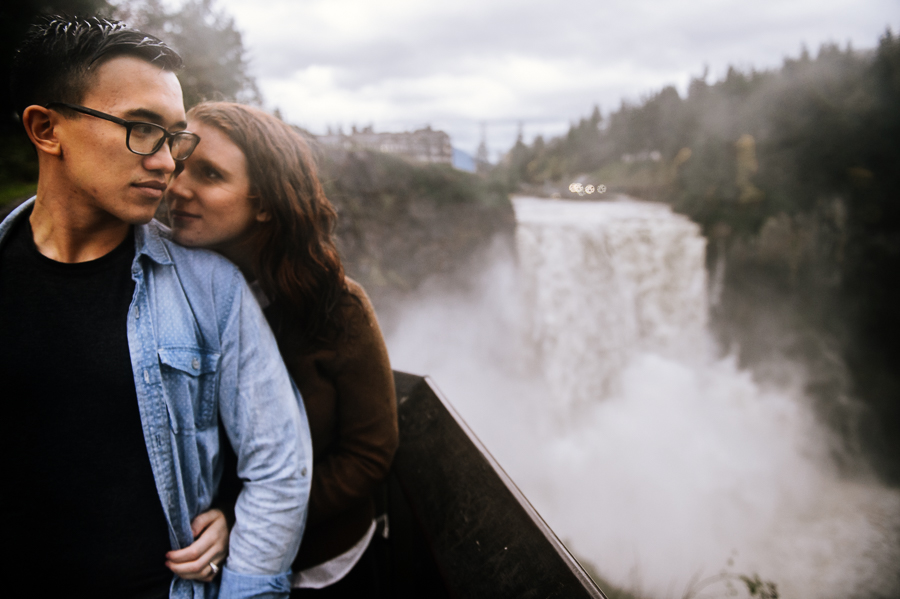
column 422, row 145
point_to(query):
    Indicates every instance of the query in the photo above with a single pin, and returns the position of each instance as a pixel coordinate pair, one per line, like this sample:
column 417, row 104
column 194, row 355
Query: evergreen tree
column 18, row 163
column 215, row 60
column 15, row 17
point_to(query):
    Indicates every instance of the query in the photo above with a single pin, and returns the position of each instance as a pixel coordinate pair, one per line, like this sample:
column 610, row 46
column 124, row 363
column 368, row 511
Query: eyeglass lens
column 146, row 138
column 182, row 145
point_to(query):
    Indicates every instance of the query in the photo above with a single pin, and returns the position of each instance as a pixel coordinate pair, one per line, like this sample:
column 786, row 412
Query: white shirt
column 333, row 570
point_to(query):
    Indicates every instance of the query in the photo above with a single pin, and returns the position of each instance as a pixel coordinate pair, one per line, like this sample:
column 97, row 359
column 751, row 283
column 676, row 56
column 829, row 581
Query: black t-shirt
column 81, row 514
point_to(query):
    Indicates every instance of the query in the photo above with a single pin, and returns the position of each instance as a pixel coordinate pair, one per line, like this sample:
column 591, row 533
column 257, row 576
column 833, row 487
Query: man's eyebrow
column 145, row 114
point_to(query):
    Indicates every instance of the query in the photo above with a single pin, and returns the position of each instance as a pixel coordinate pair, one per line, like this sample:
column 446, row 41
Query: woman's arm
column 367, row 417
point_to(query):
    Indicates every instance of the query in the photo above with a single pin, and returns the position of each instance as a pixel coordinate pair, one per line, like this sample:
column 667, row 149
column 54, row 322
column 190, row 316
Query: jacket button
column 303, row 471
column 137, row 311
column 195, row 364
column 146, row 376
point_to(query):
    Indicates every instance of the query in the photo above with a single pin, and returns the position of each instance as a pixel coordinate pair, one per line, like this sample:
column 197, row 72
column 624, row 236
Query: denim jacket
column 201, row 351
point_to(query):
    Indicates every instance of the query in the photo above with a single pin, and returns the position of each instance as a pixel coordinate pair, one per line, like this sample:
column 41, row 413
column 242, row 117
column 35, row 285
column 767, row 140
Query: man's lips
column 152, row 187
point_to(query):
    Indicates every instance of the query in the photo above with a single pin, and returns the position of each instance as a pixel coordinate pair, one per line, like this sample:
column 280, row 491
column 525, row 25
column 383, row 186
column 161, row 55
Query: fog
column 682, row 470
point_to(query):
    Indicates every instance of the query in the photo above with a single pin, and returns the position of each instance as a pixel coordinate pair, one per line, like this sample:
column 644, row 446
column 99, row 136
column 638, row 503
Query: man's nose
column 161, row 160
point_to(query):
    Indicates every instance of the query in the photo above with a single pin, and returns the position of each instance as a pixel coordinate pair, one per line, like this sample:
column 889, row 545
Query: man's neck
column 67, row 230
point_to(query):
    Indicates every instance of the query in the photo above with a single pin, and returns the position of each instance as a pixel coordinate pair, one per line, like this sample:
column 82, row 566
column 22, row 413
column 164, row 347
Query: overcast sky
column 402, row 64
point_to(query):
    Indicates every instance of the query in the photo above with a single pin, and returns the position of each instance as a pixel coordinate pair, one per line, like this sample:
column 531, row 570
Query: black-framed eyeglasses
column 143, row 138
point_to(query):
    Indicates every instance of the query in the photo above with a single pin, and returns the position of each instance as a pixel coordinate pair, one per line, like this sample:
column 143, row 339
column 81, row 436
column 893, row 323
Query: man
column 121, row 352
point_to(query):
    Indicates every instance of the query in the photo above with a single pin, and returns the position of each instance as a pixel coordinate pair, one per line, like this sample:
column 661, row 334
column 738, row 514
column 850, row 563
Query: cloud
column 402, row 63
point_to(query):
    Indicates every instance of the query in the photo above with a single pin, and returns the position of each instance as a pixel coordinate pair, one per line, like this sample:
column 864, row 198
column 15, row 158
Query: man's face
column 105, row 176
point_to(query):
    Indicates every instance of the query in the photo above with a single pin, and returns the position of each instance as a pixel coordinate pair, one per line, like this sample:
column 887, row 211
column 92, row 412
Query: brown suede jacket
column 348, row 391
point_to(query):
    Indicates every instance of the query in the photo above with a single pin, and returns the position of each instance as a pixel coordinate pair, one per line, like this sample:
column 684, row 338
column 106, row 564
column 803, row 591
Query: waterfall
column 585, row 366
column 603, row 281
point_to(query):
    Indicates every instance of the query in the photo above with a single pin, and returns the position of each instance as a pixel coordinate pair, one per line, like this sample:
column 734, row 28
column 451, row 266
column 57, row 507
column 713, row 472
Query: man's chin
column 140, row 216
column 141, row 219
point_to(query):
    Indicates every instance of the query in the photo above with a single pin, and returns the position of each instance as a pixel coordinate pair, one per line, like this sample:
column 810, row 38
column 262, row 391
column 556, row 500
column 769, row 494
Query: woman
column 250, row 192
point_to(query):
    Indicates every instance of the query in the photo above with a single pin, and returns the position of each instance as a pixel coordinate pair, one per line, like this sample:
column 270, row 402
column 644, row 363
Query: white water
column 601, row 281
column 588, row 372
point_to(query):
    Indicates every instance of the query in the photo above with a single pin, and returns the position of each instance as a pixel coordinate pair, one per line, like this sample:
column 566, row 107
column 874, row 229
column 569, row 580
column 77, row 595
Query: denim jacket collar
column 7, row 223
column 147, row 240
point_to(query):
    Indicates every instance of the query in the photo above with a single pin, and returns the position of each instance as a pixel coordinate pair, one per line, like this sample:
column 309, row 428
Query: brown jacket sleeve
column 357, row 440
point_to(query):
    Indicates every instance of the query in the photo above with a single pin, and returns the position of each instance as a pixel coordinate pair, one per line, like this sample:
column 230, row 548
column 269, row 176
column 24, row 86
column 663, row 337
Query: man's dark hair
column 56, row 61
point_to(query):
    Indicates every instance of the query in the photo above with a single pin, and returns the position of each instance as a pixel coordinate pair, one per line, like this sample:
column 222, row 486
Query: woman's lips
column 182, row 214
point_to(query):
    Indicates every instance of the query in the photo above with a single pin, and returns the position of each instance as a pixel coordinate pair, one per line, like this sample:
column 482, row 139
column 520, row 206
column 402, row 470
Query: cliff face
column 401, row 223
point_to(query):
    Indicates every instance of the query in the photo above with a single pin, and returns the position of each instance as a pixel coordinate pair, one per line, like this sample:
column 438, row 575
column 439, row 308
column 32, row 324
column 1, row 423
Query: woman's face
column 208, row 200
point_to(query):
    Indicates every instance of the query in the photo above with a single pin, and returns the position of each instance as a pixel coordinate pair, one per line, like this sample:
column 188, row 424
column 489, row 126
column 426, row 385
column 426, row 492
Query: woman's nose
column 178, row 187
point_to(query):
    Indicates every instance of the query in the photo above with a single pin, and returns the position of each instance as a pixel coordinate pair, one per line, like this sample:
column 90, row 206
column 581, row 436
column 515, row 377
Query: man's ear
column 40, row 125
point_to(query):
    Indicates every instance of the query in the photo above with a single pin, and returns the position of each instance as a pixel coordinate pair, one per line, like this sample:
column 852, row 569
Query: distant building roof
column 422, row 145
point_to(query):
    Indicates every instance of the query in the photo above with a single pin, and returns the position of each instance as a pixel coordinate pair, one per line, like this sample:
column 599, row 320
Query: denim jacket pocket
column 191, row 380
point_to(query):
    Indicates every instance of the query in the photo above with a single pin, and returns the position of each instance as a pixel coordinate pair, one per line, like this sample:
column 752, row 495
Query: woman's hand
column 210, row 546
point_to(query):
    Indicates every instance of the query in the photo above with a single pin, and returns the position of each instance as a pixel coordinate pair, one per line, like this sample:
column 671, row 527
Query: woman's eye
column 212, row 173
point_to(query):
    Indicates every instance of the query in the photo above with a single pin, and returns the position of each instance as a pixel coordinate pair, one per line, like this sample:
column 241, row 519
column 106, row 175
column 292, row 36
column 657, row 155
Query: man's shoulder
column 207, row 278
column 186, row 257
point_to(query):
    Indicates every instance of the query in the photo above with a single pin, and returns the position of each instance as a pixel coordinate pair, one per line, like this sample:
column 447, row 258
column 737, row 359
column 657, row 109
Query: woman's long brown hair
column 295, row 255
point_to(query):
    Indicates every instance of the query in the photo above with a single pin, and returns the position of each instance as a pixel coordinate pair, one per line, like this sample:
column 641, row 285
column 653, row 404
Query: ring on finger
column 214, row 567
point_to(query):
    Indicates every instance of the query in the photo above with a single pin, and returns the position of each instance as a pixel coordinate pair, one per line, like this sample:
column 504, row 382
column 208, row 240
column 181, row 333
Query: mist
column 681, row 471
